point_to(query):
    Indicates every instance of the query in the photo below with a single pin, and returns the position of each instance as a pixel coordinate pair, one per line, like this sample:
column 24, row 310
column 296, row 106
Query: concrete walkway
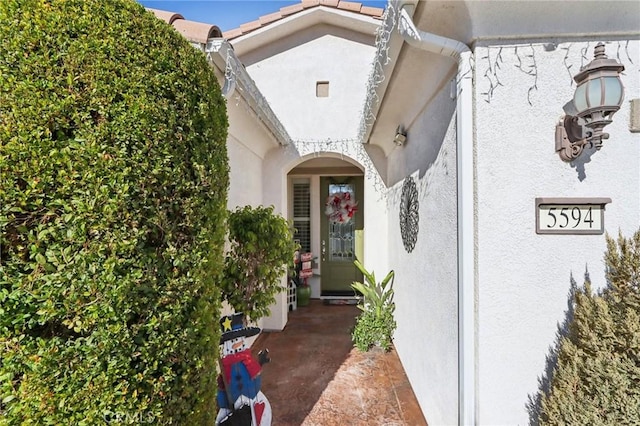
column 316, row 377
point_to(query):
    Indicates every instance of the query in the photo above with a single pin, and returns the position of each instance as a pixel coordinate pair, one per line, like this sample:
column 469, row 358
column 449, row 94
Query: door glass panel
column 342, row 235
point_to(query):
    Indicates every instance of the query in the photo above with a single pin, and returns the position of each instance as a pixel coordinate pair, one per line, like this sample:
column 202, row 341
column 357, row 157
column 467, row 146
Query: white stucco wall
column 245, row 175
column 426, row 279
column 288, row 77
column 523, row 279
column 248, row 141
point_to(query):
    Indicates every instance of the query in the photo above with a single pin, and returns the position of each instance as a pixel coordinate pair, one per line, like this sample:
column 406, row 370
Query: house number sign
column 570, row 215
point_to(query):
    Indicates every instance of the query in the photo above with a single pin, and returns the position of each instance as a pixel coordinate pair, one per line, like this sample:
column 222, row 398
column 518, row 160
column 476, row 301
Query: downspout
column 466, row 231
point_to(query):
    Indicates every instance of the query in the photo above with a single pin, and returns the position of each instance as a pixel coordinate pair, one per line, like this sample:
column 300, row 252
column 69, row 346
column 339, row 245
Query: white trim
column 467, row 384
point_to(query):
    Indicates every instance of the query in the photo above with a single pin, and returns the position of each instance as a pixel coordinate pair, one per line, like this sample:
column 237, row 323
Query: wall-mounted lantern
column 597, row 97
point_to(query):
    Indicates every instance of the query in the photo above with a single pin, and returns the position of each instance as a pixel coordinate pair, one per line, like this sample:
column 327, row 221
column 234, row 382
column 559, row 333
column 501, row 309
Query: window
column 342, row 235
column 302, row 214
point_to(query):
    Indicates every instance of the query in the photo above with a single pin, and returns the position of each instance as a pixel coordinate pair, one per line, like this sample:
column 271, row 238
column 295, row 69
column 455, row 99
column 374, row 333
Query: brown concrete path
column 317, row 378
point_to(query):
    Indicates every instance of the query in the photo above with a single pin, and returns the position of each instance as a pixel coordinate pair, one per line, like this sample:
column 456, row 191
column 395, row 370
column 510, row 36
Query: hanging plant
column 340, row 207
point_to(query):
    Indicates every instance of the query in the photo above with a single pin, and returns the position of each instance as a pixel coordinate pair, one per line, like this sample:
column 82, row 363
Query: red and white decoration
column 306, row 270
column 340, row 207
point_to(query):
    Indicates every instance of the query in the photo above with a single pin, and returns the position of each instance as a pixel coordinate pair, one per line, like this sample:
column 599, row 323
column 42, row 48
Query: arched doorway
column 335, row 241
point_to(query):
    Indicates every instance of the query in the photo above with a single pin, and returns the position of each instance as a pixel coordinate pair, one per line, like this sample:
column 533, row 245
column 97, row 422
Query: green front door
column 340, row 234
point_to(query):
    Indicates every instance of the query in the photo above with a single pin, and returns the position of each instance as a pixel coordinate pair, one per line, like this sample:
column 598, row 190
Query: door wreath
column 340, row 207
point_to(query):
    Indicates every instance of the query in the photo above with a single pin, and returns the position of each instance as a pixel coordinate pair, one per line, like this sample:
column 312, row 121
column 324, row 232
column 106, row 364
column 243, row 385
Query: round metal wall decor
column 409, row 214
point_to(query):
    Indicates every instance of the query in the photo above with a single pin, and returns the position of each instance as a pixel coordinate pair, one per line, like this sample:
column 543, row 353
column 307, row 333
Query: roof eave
column 300, row 21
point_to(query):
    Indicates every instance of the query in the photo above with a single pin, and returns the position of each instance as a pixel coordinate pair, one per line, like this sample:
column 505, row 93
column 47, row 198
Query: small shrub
column 376, row 324
column 374, row 330
column 597, row 376
column 261, row 250
column 112, row 210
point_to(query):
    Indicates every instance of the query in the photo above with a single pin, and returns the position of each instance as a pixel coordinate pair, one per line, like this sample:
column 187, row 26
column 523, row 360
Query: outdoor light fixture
column 597, row 97
column 400, row 137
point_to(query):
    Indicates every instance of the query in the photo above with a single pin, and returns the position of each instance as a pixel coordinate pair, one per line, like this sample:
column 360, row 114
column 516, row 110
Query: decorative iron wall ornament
column 409, row 214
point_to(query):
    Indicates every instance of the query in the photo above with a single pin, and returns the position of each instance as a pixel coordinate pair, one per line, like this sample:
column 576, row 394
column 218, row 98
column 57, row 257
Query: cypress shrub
column 597, row 377
column 113, row 191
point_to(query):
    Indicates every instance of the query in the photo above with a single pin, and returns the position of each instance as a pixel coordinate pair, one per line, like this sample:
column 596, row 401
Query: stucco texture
column 426, row 278
column 523, row 279
column 288, row 77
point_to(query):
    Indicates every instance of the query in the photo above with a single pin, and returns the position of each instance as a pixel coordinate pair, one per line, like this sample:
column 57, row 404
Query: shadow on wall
column 533, row 404
column 425, row 139
column 579, row 162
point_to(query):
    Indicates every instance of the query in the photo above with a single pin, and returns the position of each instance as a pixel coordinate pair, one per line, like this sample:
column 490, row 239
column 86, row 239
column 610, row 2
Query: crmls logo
column 136, row 418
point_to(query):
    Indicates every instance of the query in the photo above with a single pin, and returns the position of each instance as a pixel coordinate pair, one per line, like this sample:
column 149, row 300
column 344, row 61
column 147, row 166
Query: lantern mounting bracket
column 571, row 138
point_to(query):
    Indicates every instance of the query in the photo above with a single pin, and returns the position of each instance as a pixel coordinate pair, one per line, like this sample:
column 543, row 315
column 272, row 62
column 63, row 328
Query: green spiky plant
column 376, row 324
column 597, row 376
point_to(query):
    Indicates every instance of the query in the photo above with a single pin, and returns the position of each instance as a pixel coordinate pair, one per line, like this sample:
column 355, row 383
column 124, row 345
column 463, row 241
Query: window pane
column 341, row 235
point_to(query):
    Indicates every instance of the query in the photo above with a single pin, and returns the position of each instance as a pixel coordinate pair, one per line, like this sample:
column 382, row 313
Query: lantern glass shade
column 598, row 92
column 580, row 98
column 612, row 91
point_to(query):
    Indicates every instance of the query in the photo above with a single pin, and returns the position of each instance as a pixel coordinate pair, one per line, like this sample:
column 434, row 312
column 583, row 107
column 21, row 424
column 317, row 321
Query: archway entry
column 326, row 205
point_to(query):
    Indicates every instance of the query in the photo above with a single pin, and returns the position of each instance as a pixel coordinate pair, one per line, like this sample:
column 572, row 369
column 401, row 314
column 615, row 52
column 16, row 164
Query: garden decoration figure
column 240, row 400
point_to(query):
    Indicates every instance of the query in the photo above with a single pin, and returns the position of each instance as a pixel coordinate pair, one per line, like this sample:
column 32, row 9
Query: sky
column 229, row 14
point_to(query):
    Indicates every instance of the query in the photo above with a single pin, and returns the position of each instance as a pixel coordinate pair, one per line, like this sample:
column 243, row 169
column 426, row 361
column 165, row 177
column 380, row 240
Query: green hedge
column 597, row 377
column 113, row 191
column 261, row 249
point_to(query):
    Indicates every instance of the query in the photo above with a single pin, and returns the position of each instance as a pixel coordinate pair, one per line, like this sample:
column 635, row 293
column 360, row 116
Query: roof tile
column 267, row 19
column 290, row 10
column 201, row 32
column 372, row 11
column 237, row 32
column 196, row 31
column 310, row 3
column 165, row 15
column 350, row 5
column 250, row 26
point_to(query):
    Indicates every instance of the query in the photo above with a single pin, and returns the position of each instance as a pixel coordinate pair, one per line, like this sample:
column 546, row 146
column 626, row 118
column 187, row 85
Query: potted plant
column 303, row 290
column 303, row 293
column 376, row 324
column 261, row 249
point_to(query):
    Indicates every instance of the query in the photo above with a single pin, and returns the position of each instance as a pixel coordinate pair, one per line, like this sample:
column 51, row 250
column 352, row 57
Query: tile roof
column 193, row 31
column 374, row 12
column 200, row 32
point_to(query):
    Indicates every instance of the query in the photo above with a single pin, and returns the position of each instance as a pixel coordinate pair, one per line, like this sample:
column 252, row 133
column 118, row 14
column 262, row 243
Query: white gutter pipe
column 466, row 222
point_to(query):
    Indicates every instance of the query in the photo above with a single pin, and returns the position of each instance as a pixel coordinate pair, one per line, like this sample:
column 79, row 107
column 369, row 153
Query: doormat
column 340, row 301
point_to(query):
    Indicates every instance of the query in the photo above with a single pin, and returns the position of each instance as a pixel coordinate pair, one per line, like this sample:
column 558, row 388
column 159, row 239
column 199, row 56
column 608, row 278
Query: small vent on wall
column 322, row 89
